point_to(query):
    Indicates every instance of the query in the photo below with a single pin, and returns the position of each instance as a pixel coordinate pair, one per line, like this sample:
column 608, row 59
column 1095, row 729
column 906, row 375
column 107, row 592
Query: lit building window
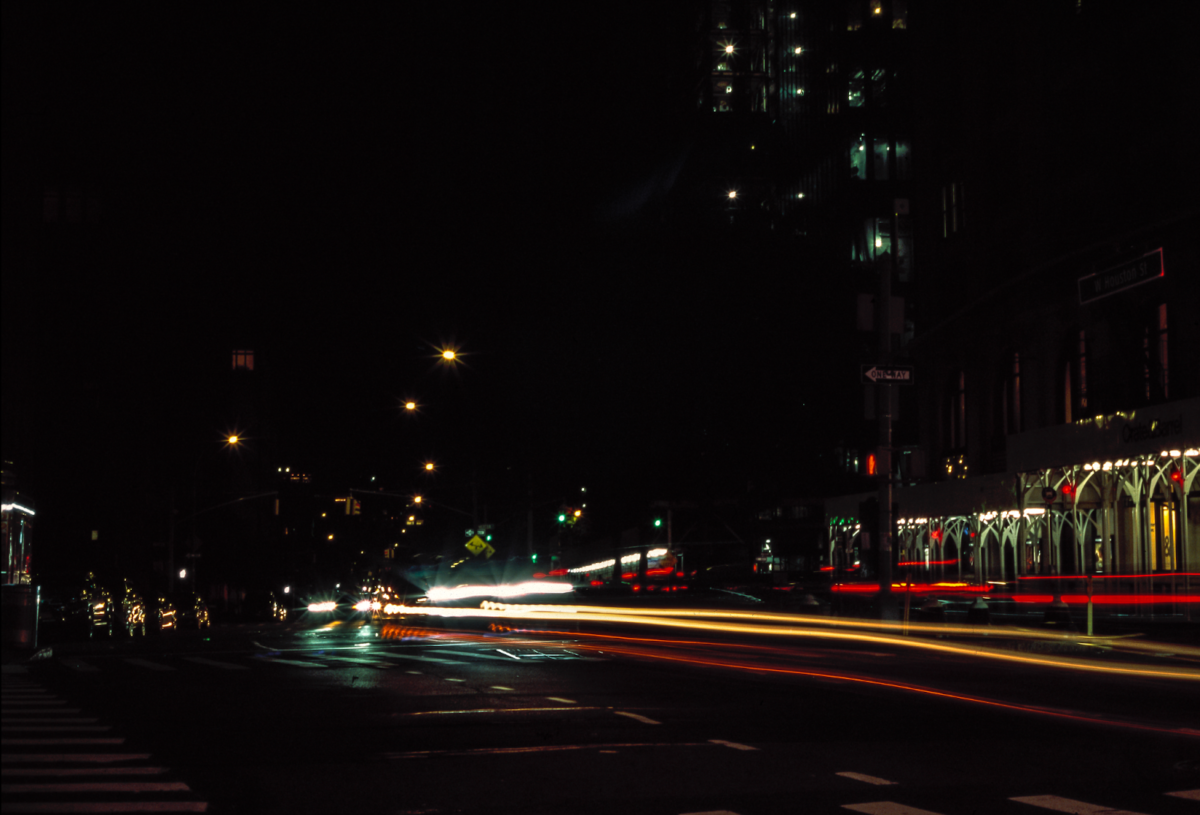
column 243, row 360
column 855, row 94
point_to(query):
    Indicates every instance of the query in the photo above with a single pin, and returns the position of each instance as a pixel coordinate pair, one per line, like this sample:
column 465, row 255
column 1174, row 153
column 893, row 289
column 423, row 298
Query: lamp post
column 231, row 440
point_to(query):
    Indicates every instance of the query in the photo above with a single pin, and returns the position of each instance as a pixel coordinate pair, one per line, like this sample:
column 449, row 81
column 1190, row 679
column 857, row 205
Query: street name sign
column 1129, row 274
column 887, row 374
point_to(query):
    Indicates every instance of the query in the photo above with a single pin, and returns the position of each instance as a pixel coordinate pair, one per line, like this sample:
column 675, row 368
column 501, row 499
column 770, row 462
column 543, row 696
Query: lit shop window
column 856, row 88
column 880, row 150
column 858, row 158
column 243, row 360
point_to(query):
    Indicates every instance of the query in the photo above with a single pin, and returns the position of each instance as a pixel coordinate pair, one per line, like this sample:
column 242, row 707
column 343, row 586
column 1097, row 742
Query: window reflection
column 858, row 157
column 880, row 151
column 856, row 88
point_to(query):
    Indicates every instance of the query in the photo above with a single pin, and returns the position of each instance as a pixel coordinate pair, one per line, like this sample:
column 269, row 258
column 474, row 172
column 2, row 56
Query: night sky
column 348, row 191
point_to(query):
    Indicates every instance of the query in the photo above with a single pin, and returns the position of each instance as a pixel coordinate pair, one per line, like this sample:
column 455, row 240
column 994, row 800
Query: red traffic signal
column 1177, row 476
column 1068, row 490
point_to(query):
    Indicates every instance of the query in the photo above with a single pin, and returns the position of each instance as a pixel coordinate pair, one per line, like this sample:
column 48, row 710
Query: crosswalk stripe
column 886, row 808
column 32, row 742
column 1057, row 804
column 870, row 779
column 97, row 786
column 54, row 728
column 46, row 772
column 1188, row 795
column 29, row 807
column 145, row 663
column 228, row 666
column 72, row 758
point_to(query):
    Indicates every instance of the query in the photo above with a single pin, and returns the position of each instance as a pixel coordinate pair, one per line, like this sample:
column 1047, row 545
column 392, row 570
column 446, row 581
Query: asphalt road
column 411, row 718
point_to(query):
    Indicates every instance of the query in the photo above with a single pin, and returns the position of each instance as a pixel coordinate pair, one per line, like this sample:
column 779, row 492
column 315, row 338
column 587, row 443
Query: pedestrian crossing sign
column 476, row 545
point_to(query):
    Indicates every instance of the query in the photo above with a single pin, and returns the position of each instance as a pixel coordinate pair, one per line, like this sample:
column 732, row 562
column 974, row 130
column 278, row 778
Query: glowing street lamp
column 410, row 406
column 449, row 355
column 428, row 466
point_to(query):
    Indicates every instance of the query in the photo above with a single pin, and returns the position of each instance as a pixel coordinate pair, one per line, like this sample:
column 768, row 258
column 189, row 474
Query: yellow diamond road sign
column 476, row 545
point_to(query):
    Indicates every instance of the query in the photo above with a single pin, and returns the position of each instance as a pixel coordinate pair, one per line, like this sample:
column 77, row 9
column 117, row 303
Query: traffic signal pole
column 883, row 325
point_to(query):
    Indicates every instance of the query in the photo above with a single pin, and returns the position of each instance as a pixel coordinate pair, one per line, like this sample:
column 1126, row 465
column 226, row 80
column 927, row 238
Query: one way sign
column 889, row 375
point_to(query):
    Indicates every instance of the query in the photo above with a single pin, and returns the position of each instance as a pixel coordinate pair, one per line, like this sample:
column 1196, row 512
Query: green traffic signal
column 658, row 522
column 562, row 518
column 535, row 557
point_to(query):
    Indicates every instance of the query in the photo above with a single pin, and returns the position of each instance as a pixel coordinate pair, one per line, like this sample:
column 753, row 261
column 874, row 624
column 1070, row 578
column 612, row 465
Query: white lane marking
column 72, row 758
column 416, row 673
column 299, row 663
column 473, row 655
column 507, row 654
column 560, row 699
column 416, row 658
column 735, row 745
column 50, row 728
column 31, row 742
column 228, row 666
column 1189, row 795
column 640, row 718
column 46, row 772
column 78, row 665
column 870, row 779
column 145, row 663
column 494, row 687
column 98, row 786
column 449, row 679
column 887, row 808
column 1057, row 804
column 374, row 663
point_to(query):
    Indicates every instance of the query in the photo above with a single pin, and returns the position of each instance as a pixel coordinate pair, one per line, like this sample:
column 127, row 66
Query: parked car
column 191, row 612
column 161, row 615
column 128, row 611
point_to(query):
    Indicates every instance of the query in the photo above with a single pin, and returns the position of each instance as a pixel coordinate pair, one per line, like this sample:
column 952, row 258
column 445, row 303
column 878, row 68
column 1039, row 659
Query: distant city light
column 233, row 439
column 182, row 574
column 448, row 354
column 732, row 194
column 798, row 49
column 410, row 405
column 729, row 49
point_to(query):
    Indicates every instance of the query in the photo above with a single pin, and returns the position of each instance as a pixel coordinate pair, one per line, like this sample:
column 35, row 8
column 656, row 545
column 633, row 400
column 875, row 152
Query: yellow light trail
column 577, row 614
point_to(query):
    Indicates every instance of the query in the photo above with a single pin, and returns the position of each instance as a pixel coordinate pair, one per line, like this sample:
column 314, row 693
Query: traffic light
column 657, row 523
column 1068, row 491
column 1177, row 476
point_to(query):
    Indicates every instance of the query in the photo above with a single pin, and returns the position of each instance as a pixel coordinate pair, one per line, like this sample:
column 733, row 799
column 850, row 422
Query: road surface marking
column 48, row 721
column 42, row 712
column 560, row 699
column 229, row 666
column 887, row 808
column 495, row 710
column 145, row 663
column 500, row 687
column 78, row 665
column 507, row 654
column 424, row 659
column 30, row 742
column 50, row 728
column 733, row 744
column 300, row 663
column 105, row 806
column 449, row 679
column 73, row 758
column 870, row 779
column 640, row 718
column 97, row 786
column 41, row 772
column 473, row 655
column 417, row 673
column 1190, row 795
column 1058, row 804
column 374, row 663
column 545, row 748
